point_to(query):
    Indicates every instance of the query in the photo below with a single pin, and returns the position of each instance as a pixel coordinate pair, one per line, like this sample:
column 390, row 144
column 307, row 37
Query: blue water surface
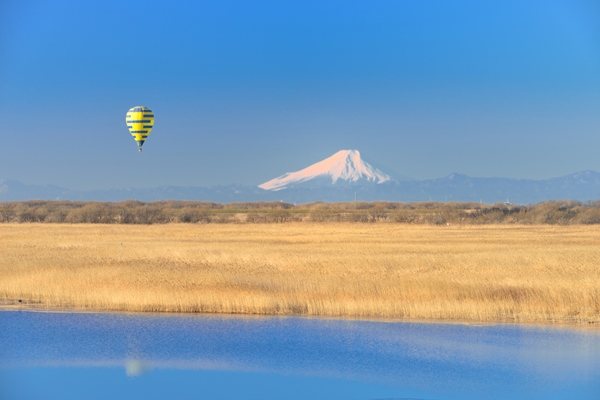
column 46, row 355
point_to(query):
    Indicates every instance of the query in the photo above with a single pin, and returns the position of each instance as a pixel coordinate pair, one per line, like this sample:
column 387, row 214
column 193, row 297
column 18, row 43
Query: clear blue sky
column 244, row 91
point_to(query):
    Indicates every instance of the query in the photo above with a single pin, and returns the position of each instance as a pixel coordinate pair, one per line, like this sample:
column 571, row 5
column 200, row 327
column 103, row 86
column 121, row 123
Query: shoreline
column 588, row 325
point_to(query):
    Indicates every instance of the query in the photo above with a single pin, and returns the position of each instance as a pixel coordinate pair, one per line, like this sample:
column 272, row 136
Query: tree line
column 163, row 212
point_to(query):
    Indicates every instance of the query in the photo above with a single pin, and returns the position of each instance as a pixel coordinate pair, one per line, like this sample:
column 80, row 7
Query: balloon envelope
column 140, row 121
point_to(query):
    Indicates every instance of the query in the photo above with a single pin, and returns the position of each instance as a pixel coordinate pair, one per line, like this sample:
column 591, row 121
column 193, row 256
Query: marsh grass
column 484, row 273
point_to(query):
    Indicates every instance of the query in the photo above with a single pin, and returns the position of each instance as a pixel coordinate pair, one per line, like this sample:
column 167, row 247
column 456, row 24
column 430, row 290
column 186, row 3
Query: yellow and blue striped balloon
column 140, row 121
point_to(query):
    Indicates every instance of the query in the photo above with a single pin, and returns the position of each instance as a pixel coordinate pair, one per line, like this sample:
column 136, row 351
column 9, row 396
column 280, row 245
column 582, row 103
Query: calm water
column 101, row 356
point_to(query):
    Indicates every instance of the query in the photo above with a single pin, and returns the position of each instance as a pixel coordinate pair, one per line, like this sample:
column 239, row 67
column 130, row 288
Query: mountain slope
column 345, row 165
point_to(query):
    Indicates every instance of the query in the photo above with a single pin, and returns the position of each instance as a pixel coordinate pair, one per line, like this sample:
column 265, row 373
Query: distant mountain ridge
column 582, row 186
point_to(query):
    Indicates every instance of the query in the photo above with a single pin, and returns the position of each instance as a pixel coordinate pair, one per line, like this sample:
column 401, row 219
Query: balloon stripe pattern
column 140, row 121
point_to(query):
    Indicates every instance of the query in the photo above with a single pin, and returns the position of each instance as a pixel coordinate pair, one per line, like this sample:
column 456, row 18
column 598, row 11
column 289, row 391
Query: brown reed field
column 515, row 273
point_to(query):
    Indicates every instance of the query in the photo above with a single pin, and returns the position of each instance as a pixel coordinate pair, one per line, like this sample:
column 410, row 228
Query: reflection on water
column 136, row 367
column 77, row 355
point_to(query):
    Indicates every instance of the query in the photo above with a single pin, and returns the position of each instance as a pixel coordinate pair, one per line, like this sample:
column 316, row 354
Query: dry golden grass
column 484, row 273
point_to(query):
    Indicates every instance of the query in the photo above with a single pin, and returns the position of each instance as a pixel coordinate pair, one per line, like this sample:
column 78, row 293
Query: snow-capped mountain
column 345, row 165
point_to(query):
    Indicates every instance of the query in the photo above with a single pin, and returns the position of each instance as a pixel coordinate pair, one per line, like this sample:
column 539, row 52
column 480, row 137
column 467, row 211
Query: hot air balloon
column 140, row 121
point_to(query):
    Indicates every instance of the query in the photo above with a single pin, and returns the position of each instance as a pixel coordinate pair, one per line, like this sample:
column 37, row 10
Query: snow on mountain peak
column 345, row 165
